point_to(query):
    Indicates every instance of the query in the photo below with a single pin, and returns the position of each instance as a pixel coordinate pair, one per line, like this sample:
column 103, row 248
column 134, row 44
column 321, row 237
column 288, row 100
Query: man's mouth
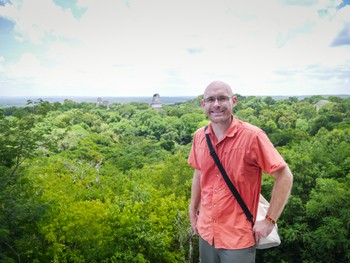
column 216, row 112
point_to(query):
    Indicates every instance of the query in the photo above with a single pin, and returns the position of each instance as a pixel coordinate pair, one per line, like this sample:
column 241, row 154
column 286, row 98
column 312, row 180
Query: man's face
column 218, row 103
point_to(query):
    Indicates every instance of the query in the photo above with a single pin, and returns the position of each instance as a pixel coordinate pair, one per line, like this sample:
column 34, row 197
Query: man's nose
column 216, row 102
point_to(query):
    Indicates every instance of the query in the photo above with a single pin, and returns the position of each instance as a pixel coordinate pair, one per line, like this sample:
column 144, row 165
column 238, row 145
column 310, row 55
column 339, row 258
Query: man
column 225, row 234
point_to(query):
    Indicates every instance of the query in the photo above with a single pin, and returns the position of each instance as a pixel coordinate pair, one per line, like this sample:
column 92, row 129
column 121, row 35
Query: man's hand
column 262, row 229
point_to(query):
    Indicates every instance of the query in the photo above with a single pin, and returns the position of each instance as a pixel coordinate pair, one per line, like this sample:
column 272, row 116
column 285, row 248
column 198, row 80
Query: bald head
column 216, row 86
column 218, row 102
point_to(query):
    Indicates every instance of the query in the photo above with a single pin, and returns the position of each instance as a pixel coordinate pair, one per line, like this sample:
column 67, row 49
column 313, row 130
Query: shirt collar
column 231, row 131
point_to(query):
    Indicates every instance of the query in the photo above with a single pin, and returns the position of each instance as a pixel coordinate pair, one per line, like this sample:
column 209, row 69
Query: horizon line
column 169, row 96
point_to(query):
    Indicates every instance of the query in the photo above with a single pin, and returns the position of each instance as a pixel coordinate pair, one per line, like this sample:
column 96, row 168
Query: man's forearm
column 280, row 192
column 195, row 200
column 195, row 192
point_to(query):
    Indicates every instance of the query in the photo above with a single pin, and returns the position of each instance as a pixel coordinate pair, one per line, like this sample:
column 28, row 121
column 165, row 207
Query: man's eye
column 210, row 99
column 222, row 99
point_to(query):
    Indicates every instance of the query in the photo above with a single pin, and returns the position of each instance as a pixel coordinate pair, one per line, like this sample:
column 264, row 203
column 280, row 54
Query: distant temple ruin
column 321, row 103
column 156, row 104
column 101, row 102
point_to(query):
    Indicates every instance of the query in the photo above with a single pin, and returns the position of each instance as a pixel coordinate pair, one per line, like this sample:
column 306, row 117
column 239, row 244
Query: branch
column 19, row 258
column 97, row 166
column 69, row 167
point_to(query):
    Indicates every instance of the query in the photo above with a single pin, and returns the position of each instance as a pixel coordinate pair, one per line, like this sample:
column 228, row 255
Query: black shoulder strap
column 227, row 179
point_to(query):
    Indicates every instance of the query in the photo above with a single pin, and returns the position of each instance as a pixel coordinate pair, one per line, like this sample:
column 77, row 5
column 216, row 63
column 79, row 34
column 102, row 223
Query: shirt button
column 217, row 175
column 214, row 221
column 215, row 190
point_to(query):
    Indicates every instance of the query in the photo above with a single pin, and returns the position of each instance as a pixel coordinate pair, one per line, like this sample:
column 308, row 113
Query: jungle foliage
column 86, row 183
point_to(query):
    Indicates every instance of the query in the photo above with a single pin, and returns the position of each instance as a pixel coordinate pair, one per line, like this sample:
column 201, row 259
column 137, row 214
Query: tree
column 328, row 213
column 190, row 125
column 20, row 137
column 113, row 185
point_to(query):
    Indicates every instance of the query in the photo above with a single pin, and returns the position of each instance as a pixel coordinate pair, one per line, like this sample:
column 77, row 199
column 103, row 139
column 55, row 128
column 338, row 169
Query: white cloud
column 35, row 20
column 176, row 47
column 2, row 62
column 27, row 67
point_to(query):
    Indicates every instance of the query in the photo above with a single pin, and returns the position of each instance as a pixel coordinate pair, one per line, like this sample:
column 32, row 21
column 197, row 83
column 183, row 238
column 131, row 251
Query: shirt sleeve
column 267, row 156
column 192, row 158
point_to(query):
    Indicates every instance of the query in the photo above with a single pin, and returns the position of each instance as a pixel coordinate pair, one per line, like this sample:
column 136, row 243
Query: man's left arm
column 280, row 194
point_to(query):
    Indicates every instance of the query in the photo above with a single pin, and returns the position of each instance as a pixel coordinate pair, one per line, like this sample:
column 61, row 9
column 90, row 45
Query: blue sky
column 174, row 48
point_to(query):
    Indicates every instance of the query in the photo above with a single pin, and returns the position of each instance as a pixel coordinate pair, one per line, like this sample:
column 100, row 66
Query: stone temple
column 156, row 104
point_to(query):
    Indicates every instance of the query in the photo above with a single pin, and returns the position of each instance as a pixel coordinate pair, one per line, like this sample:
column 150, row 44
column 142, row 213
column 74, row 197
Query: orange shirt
column 244, row 151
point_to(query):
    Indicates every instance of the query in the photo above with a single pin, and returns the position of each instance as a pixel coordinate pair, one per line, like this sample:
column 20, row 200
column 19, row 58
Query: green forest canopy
column 81, row 183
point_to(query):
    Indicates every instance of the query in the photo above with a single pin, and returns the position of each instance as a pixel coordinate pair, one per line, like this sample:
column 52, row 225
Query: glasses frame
column 220, row 99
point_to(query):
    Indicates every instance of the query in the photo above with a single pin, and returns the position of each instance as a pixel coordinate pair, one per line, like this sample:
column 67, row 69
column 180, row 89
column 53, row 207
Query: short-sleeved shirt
column 245, row 152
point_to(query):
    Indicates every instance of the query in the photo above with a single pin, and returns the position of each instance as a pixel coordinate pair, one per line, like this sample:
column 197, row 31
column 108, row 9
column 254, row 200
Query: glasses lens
column 222, row 99
column 210, row 100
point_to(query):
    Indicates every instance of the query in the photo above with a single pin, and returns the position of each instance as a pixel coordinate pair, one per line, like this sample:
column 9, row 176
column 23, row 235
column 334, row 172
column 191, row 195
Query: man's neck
column 220, row 129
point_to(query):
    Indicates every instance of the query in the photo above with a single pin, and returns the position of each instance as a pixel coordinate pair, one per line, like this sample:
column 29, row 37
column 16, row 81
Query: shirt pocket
column 240, row 165
column 206, row 162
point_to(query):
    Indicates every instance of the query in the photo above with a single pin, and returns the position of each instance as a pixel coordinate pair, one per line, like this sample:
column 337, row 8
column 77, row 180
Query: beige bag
column 273, row 239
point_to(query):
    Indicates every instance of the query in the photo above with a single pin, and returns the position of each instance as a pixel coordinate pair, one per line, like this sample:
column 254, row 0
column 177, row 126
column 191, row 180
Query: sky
column 120, row 48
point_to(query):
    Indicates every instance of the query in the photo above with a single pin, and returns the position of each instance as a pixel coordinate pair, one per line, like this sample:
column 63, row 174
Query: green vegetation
column 80, row 183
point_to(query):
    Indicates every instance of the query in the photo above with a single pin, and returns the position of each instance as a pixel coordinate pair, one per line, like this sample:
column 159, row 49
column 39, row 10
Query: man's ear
column 234, row 101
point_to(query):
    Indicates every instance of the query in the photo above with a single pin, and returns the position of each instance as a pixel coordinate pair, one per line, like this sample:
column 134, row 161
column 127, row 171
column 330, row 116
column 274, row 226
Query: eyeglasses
column 221, row 99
